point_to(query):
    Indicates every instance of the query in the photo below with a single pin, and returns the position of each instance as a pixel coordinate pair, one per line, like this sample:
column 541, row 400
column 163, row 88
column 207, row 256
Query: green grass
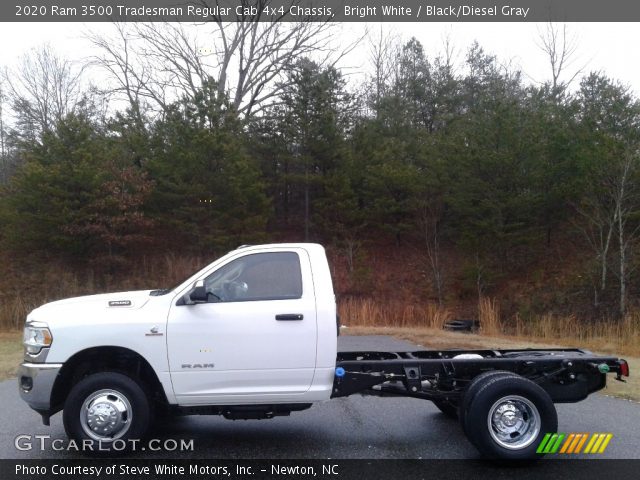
column 10, row 353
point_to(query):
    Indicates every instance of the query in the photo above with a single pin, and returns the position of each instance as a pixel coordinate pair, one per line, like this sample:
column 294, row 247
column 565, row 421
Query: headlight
column 36, row 336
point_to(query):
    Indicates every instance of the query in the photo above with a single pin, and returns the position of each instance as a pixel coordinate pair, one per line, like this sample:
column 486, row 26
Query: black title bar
column 320, row 10
column 312, row 469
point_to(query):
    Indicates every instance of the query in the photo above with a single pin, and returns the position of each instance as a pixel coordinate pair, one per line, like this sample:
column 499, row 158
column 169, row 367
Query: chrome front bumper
column 35, row 383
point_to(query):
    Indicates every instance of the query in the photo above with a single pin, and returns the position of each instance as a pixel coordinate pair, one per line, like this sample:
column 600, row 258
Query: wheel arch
column 106, row 359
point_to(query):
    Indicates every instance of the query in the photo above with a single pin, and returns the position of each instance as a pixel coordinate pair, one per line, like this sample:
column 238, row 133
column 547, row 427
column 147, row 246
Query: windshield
column 164, row 291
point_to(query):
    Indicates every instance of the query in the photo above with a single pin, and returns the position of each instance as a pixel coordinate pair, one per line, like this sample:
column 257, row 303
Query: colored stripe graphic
column 567, row 442
column 572, row 443
column 592, row 441
column 576, row 441
column 582, row 442
column 543, row 443
column 550, row 443
column 596, row 446
column 558, row 442
column 606, row 442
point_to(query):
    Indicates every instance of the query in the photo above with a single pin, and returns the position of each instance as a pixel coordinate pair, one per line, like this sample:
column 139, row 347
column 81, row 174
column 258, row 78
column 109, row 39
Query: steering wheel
column 227, row 287
column 235, row 289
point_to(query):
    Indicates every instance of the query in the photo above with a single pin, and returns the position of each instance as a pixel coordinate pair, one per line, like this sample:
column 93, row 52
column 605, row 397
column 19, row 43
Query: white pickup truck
column 253, row 335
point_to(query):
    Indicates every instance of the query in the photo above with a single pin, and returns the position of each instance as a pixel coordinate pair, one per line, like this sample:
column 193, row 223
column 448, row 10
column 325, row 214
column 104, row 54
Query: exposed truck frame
column 453, row 379
column 567, row 375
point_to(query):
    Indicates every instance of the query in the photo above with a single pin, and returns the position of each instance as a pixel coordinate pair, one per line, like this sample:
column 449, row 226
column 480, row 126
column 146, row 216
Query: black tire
column 122, row 389
column 471, row 391
column 450, row 409
column 536, row 410
column 461, row 325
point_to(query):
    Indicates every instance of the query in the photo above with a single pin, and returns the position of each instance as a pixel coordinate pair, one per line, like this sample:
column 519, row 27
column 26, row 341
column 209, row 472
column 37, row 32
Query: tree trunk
column 3, row 166
column 306, row 211
column 623, row 262
column 433, row 252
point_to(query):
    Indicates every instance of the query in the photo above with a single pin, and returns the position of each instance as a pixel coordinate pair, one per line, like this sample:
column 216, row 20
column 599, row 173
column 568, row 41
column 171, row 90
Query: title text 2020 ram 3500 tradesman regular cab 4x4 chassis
column 253, row 335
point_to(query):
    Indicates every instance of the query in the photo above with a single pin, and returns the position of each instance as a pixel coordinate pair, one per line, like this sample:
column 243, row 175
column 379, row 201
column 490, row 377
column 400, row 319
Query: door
column 255, row 338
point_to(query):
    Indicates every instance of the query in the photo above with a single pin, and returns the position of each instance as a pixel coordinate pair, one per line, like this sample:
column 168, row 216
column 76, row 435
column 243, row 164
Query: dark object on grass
column 462, row 325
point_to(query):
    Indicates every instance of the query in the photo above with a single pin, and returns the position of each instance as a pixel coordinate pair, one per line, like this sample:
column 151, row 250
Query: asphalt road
column 353, row 427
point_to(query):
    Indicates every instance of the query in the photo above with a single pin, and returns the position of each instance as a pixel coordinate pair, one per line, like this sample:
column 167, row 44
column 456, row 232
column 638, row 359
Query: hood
column 103, row 302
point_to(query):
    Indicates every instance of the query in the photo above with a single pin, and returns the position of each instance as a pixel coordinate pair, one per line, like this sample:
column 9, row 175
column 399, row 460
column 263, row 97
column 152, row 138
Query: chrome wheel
column 106, row 415
column 514, row 422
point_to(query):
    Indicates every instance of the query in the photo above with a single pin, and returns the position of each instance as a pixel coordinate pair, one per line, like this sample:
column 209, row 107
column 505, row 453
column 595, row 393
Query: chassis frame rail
column 568, row 375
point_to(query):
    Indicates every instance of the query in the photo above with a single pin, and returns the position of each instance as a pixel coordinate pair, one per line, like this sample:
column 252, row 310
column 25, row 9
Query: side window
column 260, row 276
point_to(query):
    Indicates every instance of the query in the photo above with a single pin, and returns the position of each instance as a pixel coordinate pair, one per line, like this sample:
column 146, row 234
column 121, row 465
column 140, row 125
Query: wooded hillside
column 483, row 183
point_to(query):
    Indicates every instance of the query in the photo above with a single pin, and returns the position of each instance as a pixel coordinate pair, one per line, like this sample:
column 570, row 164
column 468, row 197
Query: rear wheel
column 508, row 417
column 471, row 391
column 107, row 411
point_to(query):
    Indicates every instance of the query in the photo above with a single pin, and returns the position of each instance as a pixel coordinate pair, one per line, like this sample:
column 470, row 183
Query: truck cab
column 259, row 324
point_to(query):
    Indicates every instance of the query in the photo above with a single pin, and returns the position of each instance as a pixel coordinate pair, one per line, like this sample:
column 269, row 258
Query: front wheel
column 107, row 411
column 508, row 418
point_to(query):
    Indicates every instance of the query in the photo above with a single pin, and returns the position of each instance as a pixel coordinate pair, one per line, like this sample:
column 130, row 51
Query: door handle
column 289, row 316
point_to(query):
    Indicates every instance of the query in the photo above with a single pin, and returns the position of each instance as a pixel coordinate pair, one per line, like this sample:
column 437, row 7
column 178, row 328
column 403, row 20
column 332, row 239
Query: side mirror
column 199, row 293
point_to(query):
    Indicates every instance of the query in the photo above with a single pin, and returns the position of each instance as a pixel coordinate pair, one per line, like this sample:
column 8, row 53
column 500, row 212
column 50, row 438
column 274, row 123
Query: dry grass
column 619, row 337
column 13, row 311
column 489, row 316
column 10, row 353
column 370, row 313
column 442, row 339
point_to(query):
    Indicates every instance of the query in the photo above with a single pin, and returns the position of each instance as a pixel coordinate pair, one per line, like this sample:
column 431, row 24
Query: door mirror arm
column 197, row 294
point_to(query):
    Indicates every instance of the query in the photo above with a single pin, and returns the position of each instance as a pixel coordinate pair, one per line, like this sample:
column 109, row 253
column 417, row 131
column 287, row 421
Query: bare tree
column 626, row 196
column 383, row 57
column 610, row 217
column 449, row 53
column 118, row 60
column 430, row 219
column 611, row 205
column 3, row 144
column 159, row 63
column 560, row 47
column 42, row 89
column 598, row 227
column 263, row 51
